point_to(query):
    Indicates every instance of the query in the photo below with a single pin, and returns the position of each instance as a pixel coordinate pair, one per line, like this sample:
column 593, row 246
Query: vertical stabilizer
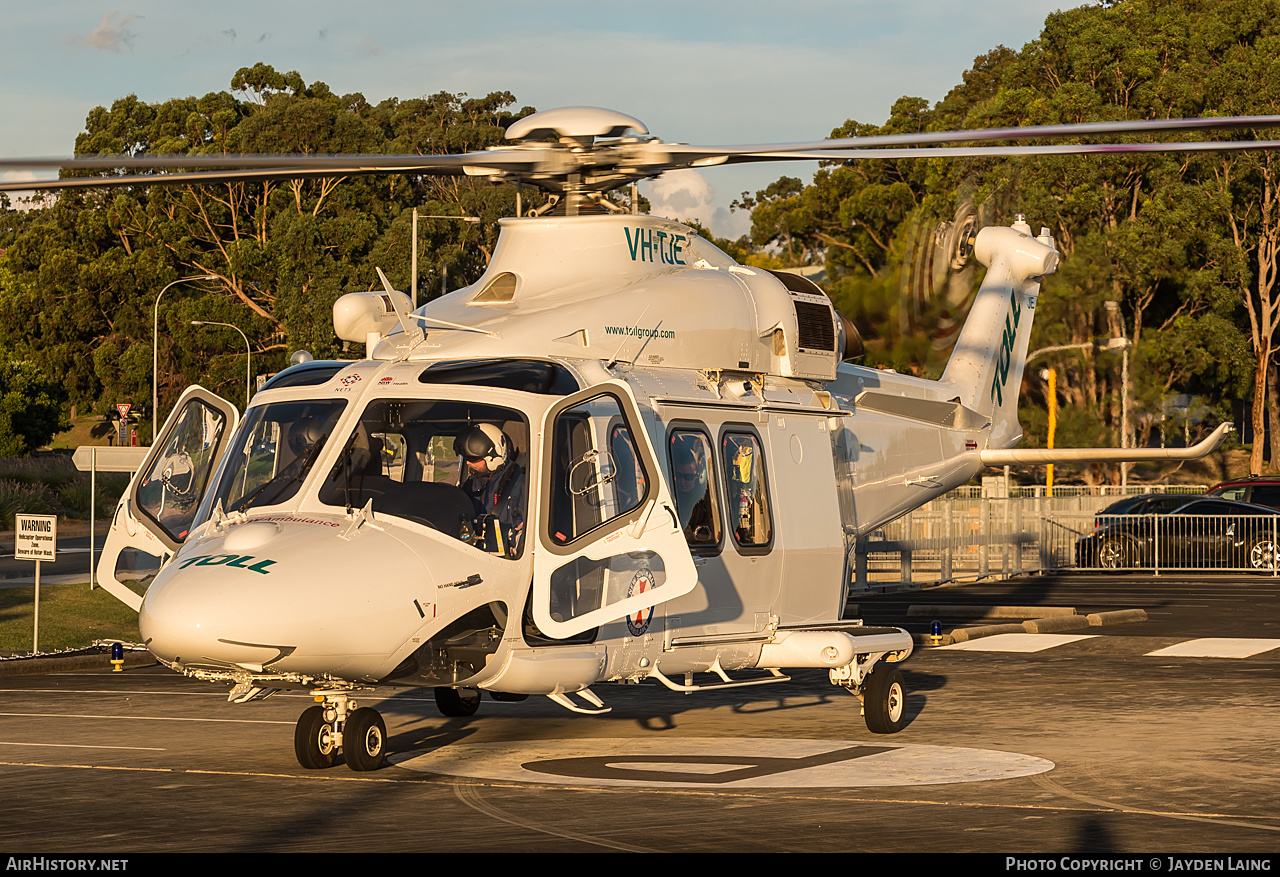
column 986, row 366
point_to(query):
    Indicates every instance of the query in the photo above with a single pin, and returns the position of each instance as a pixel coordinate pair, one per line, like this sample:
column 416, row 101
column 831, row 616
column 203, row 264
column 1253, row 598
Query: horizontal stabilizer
column 1105, row 455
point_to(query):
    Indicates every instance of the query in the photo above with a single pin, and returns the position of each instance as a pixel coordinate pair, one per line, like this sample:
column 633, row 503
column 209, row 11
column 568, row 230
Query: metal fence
column 960, row 537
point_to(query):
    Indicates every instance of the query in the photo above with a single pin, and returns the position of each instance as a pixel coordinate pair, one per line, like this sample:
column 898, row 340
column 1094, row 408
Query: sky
column 698, row 71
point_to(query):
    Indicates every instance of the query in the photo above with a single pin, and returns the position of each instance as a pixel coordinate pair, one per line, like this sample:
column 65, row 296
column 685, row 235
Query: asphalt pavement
column 1151, row 741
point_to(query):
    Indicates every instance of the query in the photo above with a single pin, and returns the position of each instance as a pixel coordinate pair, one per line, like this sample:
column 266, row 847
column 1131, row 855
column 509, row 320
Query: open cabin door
column 155, row 513
column 609, row 539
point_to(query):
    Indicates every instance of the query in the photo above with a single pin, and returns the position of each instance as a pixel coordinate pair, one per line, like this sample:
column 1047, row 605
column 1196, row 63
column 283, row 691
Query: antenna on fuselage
column 400, row 314
column 623, row 343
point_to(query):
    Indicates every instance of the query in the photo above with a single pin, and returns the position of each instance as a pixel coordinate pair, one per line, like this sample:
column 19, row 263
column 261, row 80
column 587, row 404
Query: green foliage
column 1185, row 244
column 50, row 484
column 30, row 408
column 20, row 498
column 79, row 278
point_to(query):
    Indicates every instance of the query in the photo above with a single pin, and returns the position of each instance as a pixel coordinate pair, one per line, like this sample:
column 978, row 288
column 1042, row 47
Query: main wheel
column 1264, row 555
column 884, row 700
column 364, row 740
column 457, row 703
column 313, row 740
column 1113, row 554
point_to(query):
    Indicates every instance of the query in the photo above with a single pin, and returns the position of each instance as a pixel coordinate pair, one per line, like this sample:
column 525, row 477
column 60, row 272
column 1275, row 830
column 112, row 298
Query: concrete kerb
column 946, row 610
column 1118, row 616
column 1056, row 618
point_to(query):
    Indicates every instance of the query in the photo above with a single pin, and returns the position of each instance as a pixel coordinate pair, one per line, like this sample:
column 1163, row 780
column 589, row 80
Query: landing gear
column 323, row 730
column 457, row 703
column 314, row 740
column 884, row 700
column 364, row 740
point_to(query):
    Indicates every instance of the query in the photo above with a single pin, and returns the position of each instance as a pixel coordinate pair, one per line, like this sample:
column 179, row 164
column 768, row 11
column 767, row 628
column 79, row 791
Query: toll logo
column 237, row 561
column 1005, row 357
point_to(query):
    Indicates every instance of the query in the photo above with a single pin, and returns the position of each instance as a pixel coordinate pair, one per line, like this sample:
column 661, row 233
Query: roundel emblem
column 638, row 622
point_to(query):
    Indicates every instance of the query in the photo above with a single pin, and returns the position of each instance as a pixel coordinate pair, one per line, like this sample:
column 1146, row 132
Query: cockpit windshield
column 273, row 452
column 457, row 467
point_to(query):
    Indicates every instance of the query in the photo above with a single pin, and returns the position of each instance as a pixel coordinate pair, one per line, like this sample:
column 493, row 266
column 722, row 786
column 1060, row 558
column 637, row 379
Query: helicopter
column 674, row 457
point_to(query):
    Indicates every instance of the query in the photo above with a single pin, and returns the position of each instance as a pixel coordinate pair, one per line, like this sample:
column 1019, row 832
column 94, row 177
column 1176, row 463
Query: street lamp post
column 1114, row 308
column 248, row 355
column 414, row 258
column 155, row 353
column 1050, row 376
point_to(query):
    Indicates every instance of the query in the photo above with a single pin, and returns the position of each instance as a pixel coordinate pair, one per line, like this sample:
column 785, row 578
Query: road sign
column 123, row 408
column 36, row 537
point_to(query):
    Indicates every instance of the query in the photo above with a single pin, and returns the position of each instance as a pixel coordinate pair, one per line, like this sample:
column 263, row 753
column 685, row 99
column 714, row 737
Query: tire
column 364, row 740
column 1113, row 554
column 884, row 700
column 457, row 703
column 313, row 740
column 1264, row 555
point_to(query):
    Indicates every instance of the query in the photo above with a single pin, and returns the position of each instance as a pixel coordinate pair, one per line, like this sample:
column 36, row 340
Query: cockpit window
column 306, row 374
column 457, row 467
column 273, row 452
column 527, row 376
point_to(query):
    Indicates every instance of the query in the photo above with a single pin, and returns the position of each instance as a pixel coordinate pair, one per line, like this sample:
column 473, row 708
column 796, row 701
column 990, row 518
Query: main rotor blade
column 1012, row 151
column 1031, row 132
column 260, row 168
column 346, row 164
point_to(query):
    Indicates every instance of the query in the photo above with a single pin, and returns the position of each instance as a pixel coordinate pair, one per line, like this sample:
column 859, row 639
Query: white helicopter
column 619, row 456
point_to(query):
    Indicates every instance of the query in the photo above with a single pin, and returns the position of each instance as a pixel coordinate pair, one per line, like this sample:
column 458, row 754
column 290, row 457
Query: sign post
column 36, row 538
column 122, row 409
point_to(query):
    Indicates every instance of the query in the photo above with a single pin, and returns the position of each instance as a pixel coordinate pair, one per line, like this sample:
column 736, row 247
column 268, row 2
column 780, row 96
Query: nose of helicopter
column 265, row 595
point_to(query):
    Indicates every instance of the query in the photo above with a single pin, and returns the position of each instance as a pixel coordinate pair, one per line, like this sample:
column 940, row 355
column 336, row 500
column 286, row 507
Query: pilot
column 496, row 484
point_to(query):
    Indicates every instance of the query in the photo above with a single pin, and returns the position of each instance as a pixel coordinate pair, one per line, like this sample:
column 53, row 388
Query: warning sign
column 36, row 537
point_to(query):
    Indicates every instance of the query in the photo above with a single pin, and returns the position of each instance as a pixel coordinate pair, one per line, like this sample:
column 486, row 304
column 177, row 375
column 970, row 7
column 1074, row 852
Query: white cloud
column 680, row 195
column 110, row 34
column 686, row 194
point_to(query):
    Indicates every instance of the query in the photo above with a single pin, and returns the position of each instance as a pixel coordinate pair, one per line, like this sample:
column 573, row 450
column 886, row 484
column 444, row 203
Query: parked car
column 1205, row 532
column 1143, row 504
column 1256, row 489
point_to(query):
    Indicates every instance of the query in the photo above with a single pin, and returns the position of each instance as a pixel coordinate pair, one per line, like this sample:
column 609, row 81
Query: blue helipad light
column 935, row 629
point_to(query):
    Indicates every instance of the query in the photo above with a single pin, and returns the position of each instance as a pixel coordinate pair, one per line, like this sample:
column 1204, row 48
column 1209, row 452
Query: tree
column 30, row 408
column 87, row 268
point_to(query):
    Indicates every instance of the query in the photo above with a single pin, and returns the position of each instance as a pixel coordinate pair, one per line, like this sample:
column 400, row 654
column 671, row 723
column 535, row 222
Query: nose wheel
column 324, row 730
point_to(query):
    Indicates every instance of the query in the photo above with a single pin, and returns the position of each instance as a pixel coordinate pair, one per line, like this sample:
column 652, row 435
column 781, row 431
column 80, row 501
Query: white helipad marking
column 80, row 746
column 1019, row 642
column 1217, row 647
column 723, row 762
column 674, row 767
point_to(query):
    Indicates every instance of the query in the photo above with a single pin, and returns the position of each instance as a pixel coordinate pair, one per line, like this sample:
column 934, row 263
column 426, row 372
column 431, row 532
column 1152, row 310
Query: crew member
column 496, row 484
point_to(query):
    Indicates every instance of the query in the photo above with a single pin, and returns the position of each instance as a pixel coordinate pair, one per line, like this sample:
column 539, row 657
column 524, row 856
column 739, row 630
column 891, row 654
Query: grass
column 71, row 616
column 50, row 484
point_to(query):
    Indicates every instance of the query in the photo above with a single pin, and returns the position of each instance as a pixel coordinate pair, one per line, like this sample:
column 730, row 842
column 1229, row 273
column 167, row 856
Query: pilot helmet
column 484, row 441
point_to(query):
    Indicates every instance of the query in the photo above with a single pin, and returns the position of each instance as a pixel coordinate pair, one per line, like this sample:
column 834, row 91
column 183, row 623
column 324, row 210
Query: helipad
column 724, row 762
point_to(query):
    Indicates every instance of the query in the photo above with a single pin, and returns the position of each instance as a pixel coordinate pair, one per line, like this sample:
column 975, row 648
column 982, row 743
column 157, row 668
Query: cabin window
column 404, row 456
column 169, row 494
column 693, row 488
column 596, row 471
column 746, row 494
